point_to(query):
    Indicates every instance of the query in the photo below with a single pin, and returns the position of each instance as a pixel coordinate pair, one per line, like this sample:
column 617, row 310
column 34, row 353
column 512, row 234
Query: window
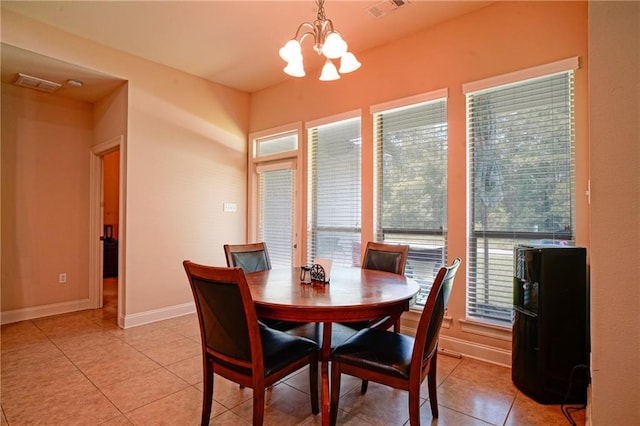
column 334, row 187
column 411, row 183
column 520, row 140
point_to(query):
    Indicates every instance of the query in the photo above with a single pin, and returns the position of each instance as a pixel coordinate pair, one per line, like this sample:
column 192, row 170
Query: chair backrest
column 226, row 313
column 385, row 257
column 250, row 257
column 433, row 312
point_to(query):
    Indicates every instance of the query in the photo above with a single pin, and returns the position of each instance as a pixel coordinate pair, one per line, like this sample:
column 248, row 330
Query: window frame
column 311, row 126
column 495, row 84
column 380, row 232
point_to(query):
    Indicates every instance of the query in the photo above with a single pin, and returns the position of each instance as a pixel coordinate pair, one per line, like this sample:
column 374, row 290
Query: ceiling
column 234, row 43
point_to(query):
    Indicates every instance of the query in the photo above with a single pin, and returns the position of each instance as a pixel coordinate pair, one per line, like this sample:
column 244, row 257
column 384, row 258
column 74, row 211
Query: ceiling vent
column 385, row 7
column 31, row 82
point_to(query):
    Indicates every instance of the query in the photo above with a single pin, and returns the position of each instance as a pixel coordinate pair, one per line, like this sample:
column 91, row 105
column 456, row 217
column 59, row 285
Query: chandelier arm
column 311, row 29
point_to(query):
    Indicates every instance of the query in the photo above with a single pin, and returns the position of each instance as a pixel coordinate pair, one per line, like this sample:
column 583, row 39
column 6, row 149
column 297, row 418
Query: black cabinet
column 550, row 342
column 110, row 259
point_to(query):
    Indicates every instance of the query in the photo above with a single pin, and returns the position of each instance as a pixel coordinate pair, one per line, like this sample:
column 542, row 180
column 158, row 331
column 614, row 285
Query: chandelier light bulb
column 291, row 51
column 295, row 68
column 334, row 46
column 329, row 72
column 348, row 63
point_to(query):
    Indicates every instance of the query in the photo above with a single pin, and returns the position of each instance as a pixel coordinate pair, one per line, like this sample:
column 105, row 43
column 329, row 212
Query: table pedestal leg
column 324, row 371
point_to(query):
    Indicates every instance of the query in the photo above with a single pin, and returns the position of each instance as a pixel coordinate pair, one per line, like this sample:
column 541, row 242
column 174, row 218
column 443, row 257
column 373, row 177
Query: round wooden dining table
column 352, row 294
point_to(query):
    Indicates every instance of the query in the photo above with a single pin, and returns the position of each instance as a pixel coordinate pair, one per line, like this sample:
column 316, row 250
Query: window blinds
column 277, row 209
column 411, row 185
column 334, row 191
column 520, row 140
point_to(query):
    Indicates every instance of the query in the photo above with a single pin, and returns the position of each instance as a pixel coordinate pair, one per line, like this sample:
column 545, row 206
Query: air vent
column 382, row 8
column 31, row 82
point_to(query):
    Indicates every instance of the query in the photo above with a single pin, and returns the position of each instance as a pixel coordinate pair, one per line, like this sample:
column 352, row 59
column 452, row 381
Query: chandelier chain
column 321, row 15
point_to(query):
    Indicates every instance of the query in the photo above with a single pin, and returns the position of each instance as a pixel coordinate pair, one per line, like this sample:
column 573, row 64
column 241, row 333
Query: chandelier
column 328, row 42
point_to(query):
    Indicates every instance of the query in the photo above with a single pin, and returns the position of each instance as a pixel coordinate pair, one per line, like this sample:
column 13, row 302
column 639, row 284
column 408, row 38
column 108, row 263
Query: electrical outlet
column 62, row 278
column 230, row 207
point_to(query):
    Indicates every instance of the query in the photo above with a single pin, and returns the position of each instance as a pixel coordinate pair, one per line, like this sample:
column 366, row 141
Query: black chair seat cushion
column 377, row 350
column 313, row 331
column 281, row 349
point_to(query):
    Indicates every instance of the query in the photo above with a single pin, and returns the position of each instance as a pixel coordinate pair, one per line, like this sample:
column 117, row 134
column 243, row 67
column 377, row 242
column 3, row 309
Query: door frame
column 96, row 221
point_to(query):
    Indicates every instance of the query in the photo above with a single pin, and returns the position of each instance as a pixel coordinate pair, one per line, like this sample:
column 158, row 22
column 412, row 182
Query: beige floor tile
column 228, row 393
column 181, row 408
column 284, row 405
column 484, row 374
column 73, row 400
column 140, row 390
column 119, row 420
column 149, row 337
column 89, row 341
column 66, row 325
column 229, row 418
column 189, row 369
column 122, row 365
column 490, row 404
column 526, row 411
column 447, row 417
column 20, row 335
column 168, row 353
column 381, row 405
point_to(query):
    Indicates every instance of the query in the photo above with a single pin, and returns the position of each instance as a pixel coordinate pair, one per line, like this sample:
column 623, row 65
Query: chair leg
column 335, row 393
column 414, row 406
column 258, row 406
column 431, row 383
column 313, row 384
column 364, row 386
column 207, row 392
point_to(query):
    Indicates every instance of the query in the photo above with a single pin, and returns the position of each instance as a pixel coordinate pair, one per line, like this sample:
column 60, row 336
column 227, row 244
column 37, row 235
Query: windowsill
column 487, row 330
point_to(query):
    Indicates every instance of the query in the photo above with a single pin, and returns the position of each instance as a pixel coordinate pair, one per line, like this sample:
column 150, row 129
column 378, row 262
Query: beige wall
column 185, row 141
column 498, row 39
column 614, row 97
column 45, row 187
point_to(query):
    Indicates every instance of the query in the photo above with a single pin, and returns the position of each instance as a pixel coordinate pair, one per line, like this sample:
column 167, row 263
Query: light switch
column 230, row 207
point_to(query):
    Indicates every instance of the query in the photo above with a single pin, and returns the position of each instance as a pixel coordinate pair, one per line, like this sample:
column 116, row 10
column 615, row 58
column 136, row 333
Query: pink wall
column 45, row 175
column 498, row 39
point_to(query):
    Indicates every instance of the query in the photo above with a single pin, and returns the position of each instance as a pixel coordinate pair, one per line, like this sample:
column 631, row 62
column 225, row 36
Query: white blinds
column 521, row 181
column 276, row 218
column 334, row 191
column 411, row 185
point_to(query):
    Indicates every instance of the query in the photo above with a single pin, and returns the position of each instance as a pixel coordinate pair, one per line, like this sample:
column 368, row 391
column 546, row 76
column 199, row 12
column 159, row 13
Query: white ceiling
column 234, row 43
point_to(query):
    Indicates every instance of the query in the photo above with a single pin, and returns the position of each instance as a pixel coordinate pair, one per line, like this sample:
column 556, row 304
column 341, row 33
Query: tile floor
column 81, row 369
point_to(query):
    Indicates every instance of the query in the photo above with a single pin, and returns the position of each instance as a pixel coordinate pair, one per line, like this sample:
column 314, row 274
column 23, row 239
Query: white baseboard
column 7, row 317
column 141, row 318
column 475, row 350
column 459, row 347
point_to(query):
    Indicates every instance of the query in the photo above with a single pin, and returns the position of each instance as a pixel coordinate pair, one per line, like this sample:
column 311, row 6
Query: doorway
column 106, row 207
column 110, row 236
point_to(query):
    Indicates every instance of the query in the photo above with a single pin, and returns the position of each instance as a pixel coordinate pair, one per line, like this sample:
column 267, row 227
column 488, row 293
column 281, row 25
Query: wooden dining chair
column 385, row 257
column 250, row 257
column 389, row 258
column 254, row 257
column 236, row 346
column 394, row 359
